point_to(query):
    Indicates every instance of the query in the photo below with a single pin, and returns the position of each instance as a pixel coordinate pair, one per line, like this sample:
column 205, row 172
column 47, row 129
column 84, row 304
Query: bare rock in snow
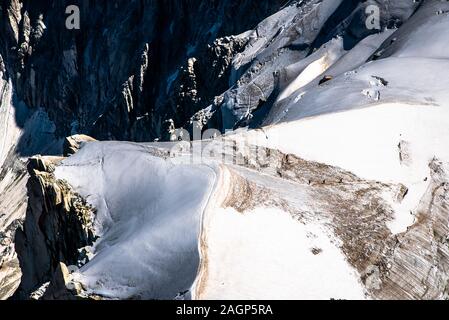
column 72, row 143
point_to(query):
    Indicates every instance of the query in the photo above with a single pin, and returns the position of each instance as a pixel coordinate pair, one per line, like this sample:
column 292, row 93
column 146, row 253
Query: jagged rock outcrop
column 72, row 144
column 23, row 132
column 57, row 226
column 61, row 286
column 13, row 204
column 415, row 264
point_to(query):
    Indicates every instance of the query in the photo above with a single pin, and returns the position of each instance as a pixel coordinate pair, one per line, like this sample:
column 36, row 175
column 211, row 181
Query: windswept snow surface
column 266, row 254
column 390, row 143
column 166, row 227
column 148, row 219
column 316, row 65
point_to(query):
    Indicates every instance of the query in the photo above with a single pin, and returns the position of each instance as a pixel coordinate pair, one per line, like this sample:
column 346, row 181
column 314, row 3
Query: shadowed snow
column 148, row 219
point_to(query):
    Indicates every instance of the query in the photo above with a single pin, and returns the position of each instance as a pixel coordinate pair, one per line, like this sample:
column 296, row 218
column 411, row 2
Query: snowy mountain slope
column 267, row 50
column 269, row 221
column 422, row 35
column 152, row 199
column 280, row 48
column 149, row 241
column 423, row 82
column 260, row 247
column 385, row 120
column 343, row 192
column 331, row 60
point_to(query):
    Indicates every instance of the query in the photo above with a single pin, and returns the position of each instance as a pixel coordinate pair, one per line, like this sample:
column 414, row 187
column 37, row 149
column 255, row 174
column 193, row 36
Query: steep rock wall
column 113, row 78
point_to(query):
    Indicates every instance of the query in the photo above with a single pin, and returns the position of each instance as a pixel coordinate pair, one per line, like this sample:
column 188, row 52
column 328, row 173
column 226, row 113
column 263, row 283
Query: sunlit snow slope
column 168, row 229
column 385, row 120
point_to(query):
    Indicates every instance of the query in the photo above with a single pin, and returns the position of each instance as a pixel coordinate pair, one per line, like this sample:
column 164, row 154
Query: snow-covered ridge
column 249, row 231
column 149, row 226
column 384, row 120
column 148, row 219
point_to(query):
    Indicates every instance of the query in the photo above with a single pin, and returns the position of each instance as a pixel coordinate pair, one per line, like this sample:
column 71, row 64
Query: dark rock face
column 134, row 65
column 125, row 72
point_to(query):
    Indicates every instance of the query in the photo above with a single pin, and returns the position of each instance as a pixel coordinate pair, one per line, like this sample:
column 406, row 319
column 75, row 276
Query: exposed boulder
column 72, row 144
column 61, row 286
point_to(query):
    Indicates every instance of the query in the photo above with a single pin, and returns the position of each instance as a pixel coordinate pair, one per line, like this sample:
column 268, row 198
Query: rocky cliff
column 58, row 224
column 132, row 66
column 136, row 67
